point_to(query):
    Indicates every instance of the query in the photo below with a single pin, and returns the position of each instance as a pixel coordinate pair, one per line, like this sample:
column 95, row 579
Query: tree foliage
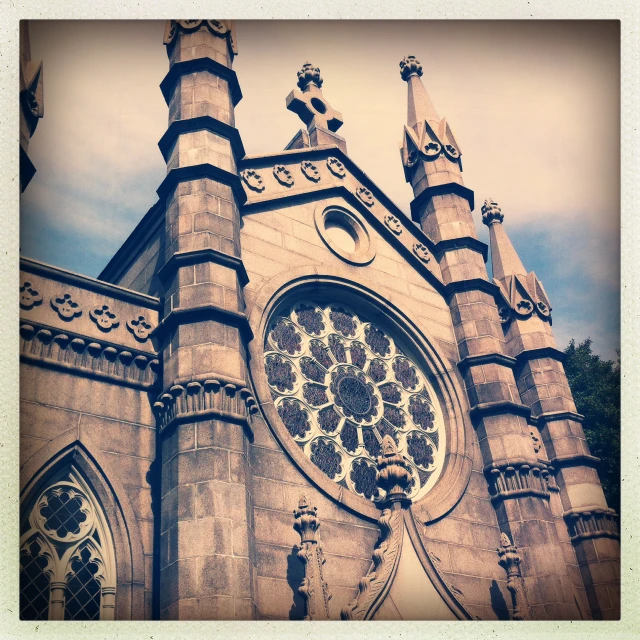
column 595, row 384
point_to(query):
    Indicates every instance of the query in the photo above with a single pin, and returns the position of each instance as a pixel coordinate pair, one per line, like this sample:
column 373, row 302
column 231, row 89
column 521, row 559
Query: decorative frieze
column 314, row 590
column 596, row 523
column 211, row 399
column 508, row 481
column 104, row 318
column 140, row 328
column 86, row 357
column 509, row 560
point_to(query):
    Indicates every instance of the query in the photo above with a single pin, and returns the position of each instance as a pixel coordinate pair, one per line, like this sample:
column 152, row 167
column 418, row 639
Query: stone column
column 517, row 481
column 583, row 519
column 206, row 537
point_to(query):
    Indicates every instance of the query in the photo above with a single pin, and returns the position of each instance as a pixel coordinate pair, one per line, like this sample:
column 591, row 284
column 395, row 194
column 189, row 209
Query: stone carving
column 140, row 328
column 29, row 297
column 104, row 318
column 314, row 590
column 308, row 74
column 66, row 307
column 596, row 523
column 310, row 170
column 221, row 28
column 71, row 351
column 428, row 141
column 491, row 212
column 283, row 175
column 394, row 479
column 519, row 479
column 365, row 196
column 509, row 560
column 336, row 167
column 215, row 398
column 537, row 445
column 252, row 179
column 422, row 252
column 339, row 385
column 410, row 66
column 393, row 223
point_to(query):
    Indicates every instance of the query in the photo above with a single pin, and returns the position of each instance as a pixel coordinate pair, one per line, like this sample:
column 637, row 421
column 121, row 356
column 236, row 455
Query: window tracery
column 340, row 383
column 67, row 565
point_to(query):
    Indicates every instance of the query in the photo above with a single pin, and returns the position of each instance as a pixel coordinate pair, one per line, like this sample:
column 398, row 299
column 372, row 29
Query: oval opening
column 318, row 105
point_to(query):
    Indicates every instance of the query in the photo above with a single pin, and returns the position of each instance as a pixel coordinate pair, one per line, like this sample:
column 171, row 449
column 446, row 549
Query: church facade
column 284, row 399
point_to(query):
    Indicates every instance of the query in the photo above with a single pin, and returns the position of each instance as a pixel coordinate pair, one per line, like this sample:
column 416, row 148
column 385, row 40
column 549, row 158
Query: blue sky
column 534, row 107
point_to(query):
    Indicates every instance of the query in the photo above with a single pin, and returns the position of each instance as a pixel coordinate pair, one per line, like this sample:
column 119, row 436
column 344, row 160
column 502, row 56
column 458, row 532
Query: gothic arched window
column 340, row 383
column 67, row 564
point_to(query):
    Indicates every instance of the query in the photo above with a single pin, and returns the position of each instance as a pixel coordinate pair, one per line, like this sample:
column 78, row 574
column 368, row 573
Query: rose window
column 340, row 384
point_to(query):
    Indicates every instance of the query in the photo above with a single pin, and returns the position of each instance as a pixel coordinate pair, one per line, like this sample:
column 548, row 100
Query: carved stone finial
column 313, row 589
column 309, row 74
column 410, row 66
column 306, row 520
column 509, row 560
column 220, row 28
column 393, row 474
column 491, row 212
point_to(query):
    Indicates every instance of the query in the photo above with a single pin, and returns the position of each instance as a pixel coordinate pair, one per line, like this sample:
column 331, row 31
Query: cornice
column 466, row 242
column 187, row 258
column 438, row 190
column 85, row 282
column 500, row 407
column 81, row 355
column 488, row 358
column 472, row 284
column 543, row 352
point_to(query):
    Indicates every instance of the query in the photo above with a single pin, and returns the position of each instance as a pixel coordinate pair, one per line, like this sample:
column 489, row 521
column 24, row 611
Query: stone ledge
column 574, row 461
column 188, row 258
column 500, row 407
column 542, row 352
column 462, row 243
column 200, row 64
column 81, row 355
column 597, row 522
column 438, row 190
column 472, row 284
column 489, row 358
column 552, row 416
column 205, row 312
column 201, row 123
column 198, row 172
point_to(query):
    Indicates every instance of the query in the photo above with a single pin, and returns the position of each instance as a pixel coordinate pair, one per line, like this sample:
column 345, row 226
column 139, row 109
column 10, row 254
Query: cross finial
column 410, row 66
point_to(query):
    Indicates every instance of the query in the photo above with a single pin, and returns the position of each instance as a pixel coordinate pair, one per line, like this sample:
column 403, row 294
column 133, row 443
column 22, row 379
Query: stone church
column 284, row 399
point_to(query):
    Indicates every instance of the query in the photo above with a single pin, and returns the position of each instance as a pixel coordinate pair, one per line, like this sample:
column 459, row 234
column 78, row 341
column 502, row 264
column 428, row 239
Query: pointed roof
column 420, row 107
column 504, row 257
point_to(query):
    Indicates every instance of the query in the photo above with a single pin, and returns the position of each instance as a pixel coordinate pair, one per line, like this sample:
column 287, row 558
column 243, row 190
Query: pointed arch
column 125, row 588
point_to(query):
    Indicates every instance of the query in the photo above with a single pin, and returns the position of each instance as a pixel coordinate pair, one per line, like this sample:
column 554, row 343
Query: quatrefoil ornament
column 422, row 252
column 310, row 170
column 365, row 195
column 336, row 167
column 29, row 297
column 104, row 318
column 393, row 223
column 66, row 307
column 253, row 180
column 140, row 328
column 283, row 175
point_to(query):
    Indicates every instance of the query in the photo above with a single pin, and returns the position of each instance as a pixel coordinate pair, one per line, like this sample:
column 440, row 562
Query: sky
column 534, row 106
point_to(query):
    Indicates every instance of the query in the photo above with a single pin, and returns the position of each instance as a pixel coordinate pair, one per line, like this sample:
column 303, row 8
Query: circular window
column 340, row 384
column 345, row 234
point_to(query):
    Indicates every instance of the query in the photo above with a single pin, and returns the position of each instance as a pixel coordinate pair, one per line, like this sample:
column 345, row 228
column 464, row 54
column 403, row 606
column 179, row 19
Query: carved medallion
column 140, row 328
column 422, row 252
column 310, row 170
column 29, row 297
column 336, row 167
column 253, row 180
column 283, row 175
column 365, row 196
column 393, row 223
column 66, row 307
column 104, row 318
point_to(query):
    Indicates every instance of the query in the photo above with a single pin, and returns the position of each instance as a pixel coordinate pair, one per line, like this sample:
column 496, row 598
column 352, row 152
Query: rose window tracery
column 340, row 383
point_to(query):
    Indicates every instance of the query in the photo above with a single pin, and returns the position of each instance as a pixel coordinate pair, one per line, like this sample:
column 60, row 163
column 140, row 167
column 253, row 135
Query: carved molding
column 374, row 587
column 519, row 479
column 595, row 523
column 211, row 399
column 314, row 589
column 426, row 143
column 509, row 560
column 75, row 352
column 220, row 28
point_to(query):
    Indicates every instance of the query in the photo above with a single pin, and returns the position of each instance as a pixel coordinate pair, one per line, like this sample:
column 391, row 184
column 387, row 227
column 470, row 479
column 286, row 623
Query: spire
column 420, row 107
column 522, row 293
column 312, row 108
column 504, row 258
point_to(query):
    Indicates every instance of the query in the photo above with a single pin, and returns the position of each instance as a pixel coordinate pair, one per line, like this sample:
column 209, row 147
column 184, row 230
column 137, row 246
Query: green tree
column 595, row 384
